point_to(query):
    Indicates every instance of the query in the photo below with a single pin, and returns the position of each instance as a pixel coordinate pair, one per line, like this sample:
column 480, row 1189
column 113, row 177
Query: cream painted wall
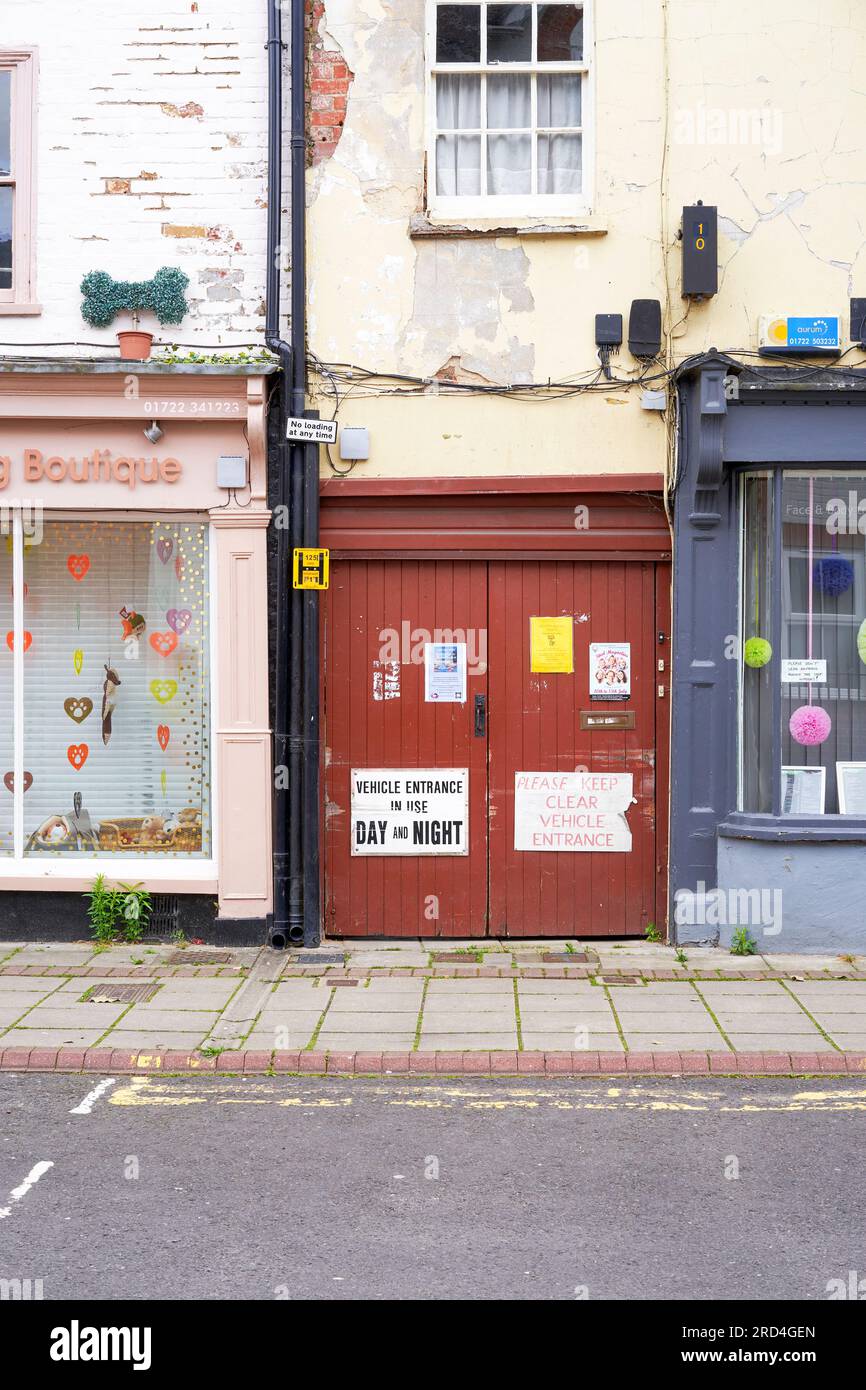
column 756, row 108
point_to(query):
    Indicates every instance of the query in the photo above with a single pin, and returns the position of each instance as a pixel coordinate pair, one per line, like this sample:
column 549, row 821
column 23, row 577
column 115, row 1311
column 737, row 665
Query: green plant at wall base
column 102, row 909
column 136, row 906
column 122, row 911
column 743, row 943
column 105, row 298
column 652, row 932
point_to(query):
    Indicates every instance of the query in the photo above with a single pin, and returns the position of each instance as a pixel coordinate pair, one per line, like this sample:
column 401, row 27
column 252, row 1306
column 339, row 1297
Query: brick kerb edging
column 108, row 1061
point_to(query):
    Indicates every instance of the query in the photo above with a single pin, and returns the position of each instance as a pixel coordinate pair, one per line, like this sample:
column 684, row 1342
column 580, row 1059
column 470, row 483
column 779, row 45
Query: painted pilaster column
column 244, row 784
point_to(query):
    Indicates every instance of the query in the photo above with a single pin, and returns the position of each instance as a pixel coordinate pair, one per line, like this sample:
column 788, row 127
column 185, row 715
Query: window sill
column 75, row 873
column 422, row 227
column 792, row 829
column 20, row 310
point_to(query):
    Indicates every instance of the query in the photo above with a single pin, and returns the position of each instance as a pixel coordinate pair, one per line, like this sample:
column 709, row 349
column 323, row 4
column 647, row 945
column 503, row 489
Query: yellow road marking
column 580, row 1096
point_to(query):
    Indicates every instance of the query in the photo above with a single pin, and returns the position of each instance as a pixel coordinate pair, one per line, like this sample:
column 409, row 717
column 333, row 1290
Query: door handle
column 480, row 716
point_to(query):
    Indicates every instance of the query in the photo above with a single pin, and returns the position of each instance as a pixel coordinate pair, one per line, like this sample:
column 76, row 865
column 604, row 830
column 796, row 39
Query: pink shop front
column 134, row 729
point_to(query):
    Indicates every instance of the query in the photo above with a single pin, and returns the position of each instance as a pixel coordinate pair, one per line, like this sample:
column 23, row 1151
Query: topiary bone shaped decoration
column 104, row 298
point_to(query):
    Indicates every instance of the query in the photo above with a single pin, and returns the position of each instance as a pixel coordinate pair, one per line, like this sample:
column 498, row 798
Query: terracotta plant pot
column 135, row 345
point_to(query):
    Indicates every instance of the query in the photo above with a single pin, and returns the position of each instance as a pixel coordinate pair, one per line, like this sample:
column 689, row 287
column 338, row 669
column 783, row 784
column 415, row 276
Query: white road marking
column 93, row 1096
column 32, row 1178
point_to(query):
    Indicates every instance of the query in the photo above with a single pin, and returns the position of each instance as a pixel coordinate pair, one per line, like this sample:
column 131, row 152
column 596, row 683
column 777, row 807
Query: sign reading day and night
column 410, row 810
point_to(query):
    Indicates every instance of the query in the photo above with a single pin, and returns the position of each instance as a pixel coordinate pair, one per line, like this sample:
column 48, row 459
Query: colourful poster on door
column 551, row 645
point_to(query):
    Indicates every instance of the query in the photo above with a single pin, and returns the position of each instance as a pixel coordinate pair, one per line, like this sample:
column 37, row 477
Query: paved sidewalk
column 446, row 1006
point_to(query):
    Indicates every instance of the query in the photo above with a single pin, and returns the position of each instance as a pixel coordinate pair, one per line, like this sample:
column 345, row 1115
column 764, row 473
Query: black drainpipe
column 296, row 632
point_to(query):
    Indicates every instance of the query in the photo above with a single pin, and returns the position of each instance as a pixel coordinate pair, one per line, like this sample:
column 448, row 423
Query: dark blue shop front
column 768, row 810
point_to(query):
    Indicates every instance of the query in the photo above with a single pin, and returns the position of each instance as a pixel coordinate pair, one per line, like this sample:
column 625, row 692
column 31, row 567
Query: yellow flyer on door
column 551, row 644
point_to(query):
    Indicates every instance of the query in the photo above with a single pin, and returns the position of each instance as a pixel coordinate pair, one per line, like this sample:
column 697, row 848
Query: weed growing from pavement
column 416, row 1041
column 517, row 1018
column 743, row 943
column 652, row 933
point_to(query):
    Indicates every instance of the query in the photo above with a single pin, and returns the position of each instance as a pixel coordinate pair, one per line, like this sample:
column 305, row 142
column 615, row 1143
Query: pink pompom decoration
column 810, row 724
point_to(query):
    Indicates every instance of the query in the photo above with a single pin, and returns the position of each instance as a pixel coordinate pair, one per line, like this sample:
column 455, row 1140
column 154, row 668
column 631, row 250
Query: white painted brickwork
column 152, row 145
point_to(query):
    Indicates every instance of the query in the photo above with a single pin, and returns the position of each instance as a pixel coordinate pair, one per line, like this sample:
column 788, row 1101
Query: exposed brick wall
column 328, row 83
column 152, row 150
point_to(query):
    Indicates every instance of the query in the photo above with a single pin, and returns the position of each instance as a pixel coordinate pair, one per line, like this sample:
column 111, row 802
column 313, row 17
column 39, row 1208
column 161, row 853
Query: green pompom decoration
column 861, row 641
column 757, row 652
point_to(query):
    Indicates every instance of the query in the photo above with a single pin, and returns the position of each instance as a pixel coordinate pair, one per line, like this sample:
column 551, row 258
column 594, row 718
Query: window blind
column 116, row 689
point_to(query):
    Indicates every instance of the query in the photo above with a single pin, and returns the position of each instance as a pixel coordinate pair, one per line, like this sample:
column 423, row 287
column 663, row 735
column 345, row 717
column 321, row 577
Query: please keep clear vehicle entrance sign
column 410, row 810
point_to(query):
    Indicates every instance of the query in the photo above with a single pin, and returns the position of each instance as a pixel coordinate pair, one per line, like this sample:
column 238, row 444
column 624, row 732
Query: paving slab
column 393, row 1019
column 133, row 1039
column 675, row 1042
column 10, row 1015
column 780, row 1042
column 52, row 1037
column 466, row 1041
column 668, row 1023
column 767, row 1024
column 151, row 1020
column 570, row 988
column 369, row 1041
column 84, row 1016
column 535, row 1040
column 282, row 1037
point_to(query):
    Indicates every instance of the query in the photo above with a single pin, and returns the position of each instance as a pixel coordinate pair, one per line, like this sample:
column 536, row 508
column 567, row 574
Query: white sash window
column 509, row 108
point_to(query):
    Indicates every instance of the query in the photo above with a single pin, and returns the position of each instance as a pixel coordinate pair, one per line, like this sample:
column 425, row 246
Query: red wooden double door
column 378, row 616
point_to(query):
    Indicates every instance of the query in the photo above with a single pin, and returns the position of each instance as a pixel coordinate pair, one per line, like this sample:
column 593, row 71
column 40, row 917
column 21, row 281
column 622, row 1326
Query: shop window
column 17, row 186
column 509, row 102
column 803, row 642
column 113, row 711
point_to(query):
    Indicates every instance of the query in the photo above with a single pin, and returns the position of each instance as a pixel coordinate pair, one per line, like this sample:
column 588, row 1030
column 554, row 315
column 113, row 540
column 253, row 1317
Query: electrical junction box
column 700, row 252
column 800, row 335
column 645, row 328
column 608, row 330
column 354, row 442
column 653, row 400
column 231, row 471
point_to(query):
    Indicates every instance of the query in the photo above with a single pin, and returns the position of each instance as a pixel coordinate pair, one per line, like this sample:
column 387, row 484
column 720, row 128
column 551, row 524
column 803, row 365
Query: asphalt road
column 231, row 1189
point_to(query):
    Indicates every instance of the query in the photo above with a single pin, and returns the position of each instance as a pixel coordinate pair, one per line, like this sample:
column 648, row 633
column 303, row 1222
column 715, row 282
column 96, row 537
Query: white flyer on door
column 581, row 812
column 445, row 673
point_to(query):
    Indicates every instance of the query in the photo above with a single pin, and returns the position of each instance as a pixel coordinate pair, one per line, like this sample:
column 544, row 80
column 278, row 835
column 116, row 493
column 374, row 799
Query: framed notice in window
column 803, row 791
column 851, row 788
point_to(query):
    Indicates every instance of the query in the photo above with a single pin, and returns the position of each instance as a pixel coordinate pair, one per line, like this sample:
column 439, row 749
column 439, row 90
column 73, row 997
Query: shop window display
column 115, row 709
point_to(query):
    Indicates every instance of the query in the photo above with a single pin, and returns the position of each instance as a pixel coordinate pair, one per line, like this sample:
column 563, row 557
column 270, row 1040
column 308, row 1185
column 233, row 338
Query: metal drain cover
column 619, row 980
column 188, row 957
column 565, row 957
column 119, row 994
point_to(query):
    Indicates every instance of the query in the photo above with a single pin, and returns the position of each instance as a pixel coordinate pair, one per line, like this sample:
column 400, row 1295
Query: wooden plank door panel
column 535, row 726
column 421, row 895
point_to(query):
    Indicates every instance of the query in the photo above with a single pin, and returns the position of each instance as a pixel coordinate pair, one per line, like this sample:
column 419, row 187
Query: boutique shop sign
column 35, row 468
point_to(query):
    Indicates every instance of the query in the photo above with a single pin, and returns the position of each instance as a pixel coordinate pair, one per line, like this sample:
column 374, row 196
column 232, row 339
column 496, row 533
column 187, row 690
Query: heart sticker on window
column 163, row 734
column 78, row 709
column 77, row 755
column 164, row 550
column 78, row 660
column 78, row 565
column 10, row 640
column 163, row 642
column 9, row 781
column 163, row 691
column 178, row 620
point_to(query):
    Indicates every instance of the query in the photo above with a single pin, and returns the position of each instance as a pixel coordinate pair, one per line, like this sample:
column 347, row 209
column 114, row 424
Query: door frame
column 520, row 519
